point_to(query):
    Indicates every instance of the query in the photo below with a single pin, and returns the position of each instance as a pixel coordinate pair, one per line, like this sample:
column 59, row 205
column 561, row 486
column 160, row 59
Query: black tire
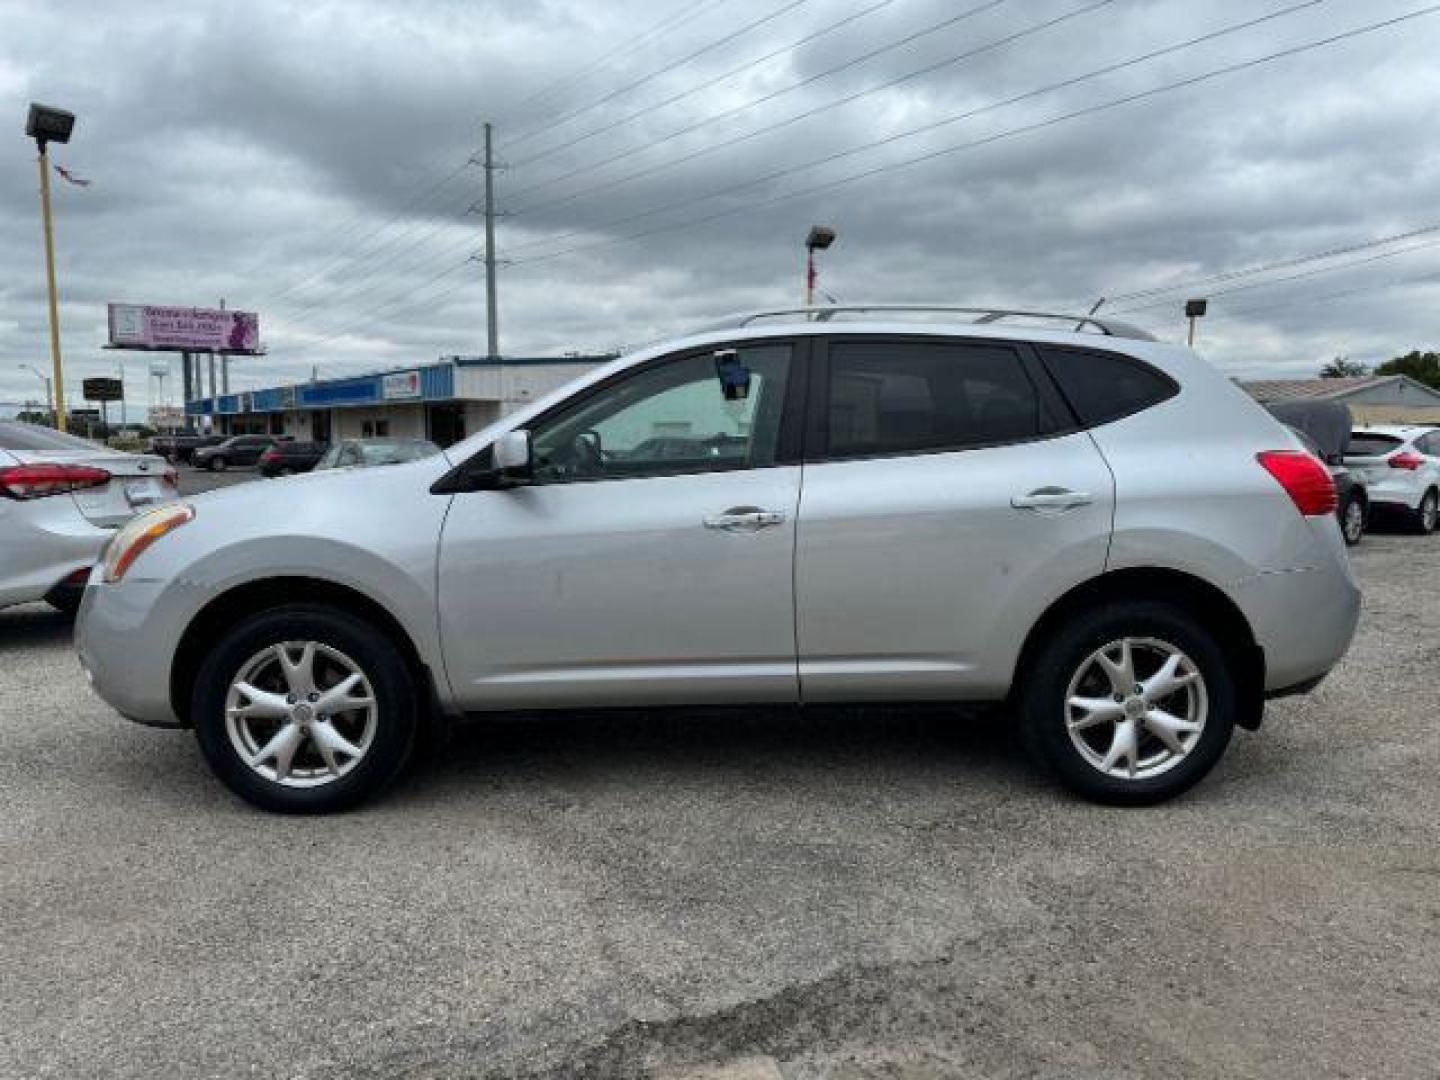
column 1426, row 518
column 396, row 696
column 285, row 470
column 1352, row 520
column 217, row 464
column 1045, row 681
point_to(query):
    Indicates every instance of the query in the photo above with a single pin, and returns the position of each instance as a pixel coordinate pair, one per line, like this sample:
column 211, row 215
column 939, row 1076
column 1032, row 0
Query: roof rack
column 1108, row 327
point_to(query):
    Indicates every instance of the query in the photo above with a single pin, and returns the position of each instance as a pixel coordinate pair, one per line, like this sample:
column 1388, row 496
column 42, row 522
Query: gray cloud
column 286, row 156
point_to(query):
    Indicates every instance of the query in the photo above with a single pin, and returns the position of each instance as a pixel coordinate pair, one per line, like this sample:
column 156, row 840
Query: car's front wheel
column 1131, row 703
column 217, row 464
column 305, row 709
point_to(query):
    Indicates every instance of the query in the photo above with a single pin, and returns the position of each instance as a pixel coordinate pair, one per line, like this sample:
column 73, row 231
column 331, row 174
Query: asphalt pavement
column 873, row 893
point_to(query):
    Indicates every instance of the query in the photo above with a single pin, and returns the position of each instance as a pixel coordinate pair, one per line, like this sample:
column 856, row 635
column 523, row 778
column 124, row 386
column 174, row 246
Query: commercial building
column 1373, row 399
column 444, row 401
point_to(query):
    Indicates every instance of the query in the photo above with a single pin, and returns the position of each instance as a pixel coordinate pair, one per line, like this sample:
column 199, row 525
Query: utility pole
column 492, row 316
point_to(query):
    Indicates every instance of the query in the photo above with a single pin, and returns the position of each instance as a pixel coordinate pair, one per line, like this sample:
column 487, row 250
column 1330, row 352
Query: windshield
column 15, row 435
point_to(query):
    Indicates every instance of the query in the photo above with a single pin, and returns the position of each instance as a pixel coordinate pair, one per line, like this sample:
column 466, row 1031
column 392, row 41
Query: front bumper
column 125, row 647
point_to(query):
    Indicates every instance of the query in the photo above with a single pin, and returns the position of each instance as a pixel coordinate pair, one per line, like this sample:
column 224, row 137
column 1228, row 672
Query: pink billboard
column 140, row 326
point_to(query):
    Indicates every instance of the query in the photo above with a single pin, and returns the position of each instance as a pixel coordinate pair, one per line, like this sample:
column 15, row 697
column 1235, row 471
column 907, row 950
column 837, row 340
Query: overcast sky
column 307, row 161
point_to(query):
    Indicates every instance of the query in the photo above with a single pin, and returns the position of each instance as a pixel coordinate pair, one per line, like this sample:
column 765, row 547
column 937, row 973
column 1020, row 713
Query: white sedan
column 61, row 498
column 1400, row 466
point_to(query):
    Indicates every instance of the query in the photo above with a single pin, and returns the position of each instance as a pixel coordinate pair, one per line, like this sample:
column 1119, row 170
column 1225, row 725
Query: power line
column 351, row 294
column 968, row 114
column 664, row 26
column 389, row 305
column 1298, row 301
column 691, row 92
column 1050, row 122
column 1304, row 274
column 1282, row 264
column 949, row 61
column 775, row 14
column 339, row 258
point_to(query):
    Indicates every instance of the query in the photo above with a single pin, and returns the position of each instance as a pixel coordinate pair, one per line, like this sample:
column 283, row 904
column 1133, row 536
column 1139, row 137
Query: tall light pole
column 820, row 238
column 49, row 396
column 46, row 125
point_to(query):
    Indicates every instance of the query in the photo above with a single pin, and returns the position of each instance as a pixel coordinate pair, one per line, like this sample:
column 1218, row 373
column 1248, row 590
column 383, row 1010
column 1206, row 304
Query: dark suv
column 282, row 459
column 240, row 450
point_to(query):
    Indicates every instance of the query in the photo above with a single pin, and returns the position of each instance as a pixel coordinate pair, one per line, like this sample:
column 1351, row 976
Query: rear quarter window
column 1105, row 386
column 1371, row 444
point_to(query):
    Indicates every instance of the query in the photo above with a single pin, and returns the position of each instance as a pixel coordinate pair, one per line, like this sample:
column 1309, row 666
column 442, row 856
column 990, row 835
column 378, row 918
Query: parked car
column 285, row 458
column 1400, row 465
column 364, row 453
column 1324, row 428
column 180, row 449
column 238, row 450
column 989, row 513
column 61, row 499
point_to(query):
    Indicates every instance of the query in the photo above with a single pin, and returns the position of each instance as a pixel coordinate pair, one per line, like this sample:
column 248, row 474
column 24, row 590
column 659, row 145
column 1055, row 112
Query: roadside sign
column 103, row 390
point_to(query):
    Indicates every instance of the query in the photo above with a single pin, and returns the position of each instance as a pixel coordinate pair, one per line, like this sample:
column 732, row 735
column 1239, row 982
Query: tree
column 1342, row 367
column 1422, row 367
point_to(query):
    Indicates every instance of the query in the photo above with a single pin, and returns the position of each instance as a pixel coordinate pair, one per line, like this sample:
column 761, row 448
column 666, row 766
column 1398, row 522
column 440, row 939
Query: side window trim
column 1057, row 417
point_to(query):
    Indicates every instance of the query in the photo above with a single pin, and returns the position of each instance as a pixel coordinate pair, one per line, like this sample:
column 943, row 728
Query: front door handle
column 744, row 519
column 1052, row 498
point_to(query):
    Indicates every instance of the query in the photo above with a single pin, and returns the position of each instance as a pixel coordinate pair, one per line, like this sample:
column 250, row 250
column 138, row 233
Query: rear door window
column 907, row 397
column 1105, row 386
column 1371, row 444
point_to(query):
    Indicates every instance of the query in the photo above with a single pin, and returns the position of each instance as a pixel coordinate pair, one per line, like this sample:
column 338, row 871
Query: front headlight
column 139, row 533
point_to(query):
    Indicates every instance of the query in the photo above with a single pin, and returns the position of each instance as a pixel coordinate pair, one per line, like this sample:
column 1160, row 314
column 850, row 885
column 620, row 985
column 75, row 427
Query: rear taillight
column 1308, row 483
column 37, row 481
column 1406, row 459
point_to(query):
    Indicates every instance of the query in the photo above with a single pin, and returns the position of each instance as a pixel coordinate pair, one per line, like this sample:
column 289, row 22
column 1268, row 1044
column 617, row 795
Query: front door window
column 703, row 413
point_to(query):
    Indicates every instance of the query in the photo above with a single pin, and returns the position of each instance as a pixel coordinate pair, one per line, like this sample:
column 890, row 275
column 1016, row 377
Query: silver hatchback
column 839, row 505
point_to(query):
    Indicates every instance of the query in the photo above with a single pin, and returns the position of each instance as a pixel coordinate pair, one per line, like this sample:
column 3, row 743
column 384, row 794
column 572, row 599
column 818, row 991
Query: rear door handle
column 1052, row 498
column 744, row 519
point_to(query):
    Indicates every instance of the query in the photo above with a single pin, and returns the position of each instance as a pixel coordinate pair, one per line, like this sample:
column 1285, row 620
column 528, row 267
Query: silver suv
column 837, row 505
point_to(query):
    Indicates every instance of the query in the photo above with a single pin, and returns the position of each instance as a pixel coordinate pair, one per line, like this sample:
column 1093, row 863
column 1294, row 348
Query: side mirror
column 511, row 455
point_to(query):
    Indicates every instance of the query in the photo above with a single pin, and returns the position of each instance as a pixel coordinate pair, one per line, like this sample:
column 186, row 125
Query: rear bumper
column 1303, row 620
column 43, row 544
column 1401, row 493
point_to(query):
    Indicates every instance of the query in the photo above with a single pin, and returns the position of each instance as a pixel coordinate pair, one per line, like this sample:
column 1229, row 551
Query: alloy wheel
column 1429, row 512
column 1136, row 708
column 301, row 714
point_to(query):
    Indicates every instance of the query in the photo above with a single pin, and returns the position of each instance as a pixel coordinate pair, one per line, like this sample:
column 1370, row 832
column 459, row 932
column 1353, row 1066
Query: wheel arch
column 251, row 597
column 1217, row 611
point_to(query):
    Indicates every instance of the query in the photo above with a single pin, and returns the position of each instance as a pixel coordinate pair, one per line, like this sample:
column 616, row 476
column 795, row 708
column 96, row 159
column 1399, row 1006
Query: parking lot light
column 46, row 124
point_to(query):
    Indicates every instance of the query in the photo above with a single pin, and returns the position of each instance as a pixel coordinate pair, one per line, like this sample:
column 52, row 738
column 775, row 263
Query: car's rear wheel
column 1352, row 520
column 305, row 709
column 1131, row 703
column 218, row 464
column 1426, row 517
